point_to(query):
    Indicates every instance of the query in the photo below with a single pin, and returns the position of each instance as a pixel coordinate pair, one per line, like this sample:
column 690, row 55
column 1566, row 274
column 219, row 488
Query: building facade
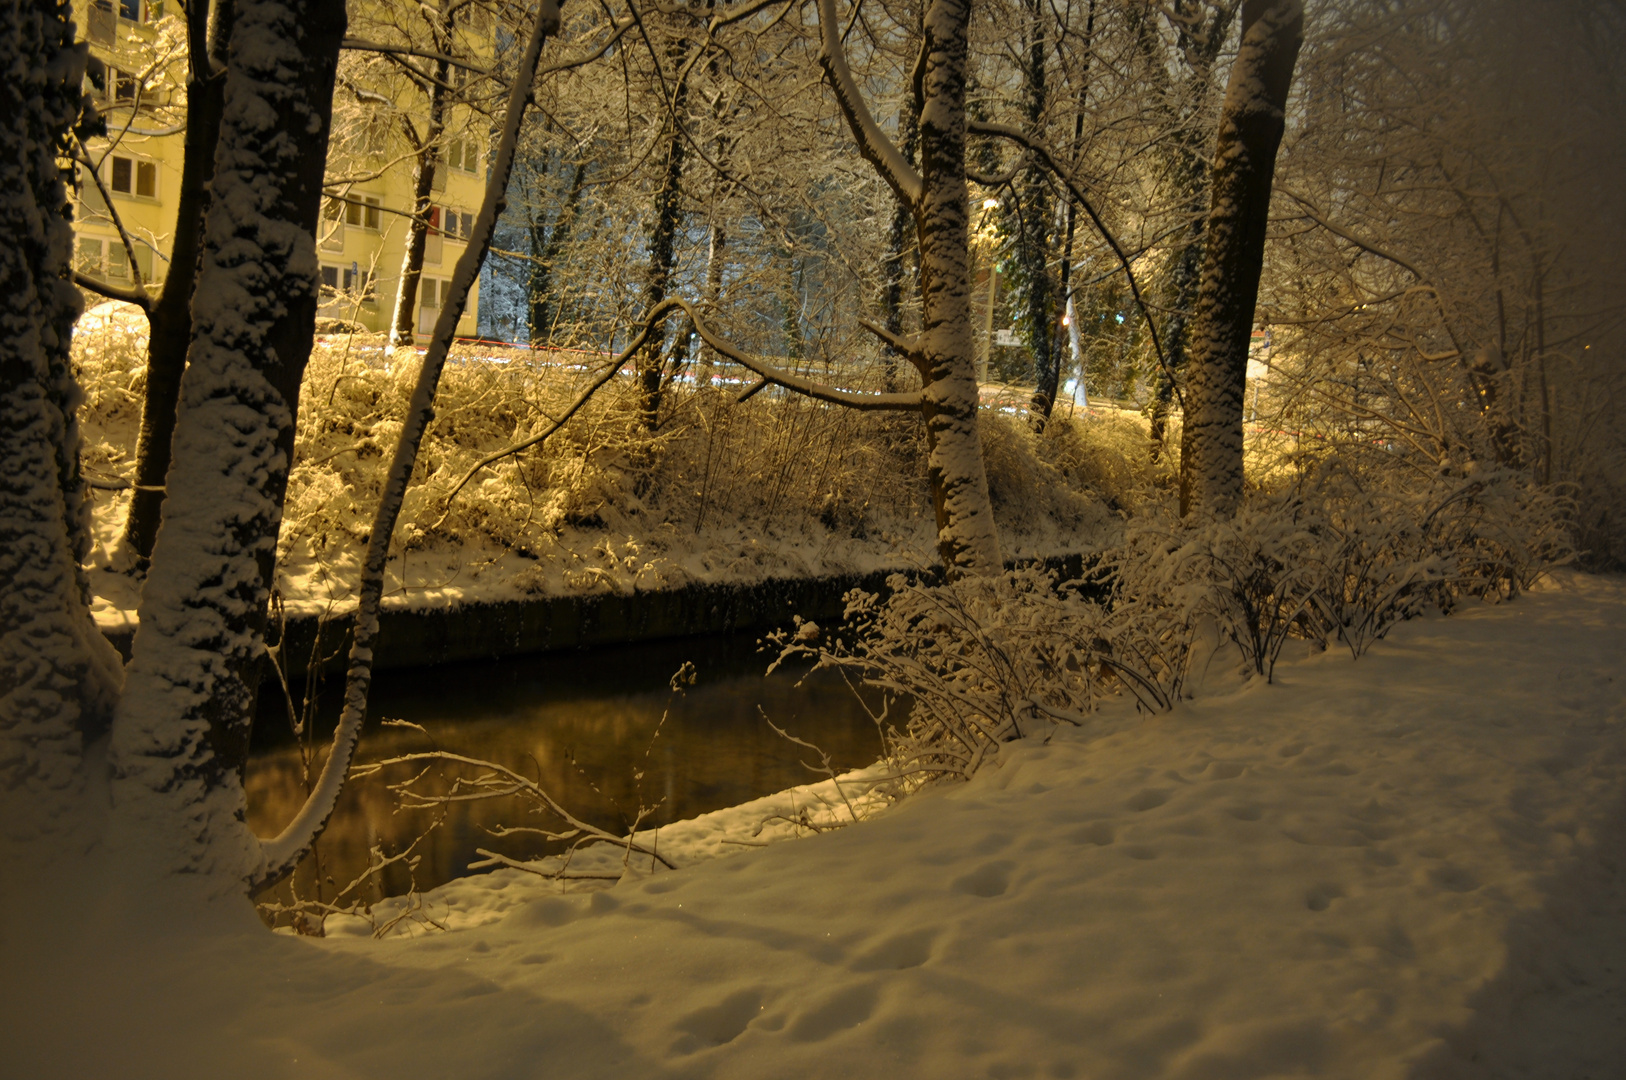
column 131, row 176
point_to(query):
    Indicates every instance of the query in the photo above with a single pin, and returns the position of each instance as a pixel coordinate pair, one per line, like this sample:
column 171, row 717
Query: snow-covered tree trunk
column 966, row 536
column 943, row 351
column 544, row 299
column 58, row 676
column 278, row 855
column 171, row 331
column 1251, row 125
column 181, row 732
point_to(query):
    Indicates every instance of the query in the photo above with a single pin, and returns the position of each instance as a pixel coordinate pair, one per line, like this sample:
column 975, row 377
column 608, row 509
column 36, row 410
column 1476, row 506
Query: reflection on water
column 586, row 725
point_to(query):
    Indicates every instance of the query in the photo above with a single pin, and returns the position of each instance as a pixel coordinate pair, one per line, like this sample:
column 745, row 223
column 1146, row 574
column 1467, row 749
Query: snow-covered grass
column 777, row 486
column 1403, row 866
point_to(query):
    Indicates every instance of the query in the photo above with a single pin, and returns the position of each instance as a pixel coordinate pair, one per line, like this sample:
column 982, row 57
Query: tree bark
column 1197, row 45
column 181, row 731
column 170, row 332
column 546, row 247
column 402, row 330
column 663, row 244
column 1034, row 245
column 966, row 537
column 898, row 245
column 943, row 351
column 58, row 675
column 1251, row 125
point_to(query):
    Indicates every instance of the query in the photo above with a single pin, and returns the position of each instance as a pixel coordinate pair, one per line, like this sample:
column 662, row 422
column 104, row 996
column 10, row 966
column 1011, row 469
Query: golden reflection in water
column 588, row 728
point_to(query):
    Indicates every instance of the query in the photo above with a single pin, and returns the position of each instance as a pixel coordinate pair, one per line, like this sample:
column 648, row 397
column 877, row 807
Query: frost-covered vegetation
column 1327, row 558
column 720, row 490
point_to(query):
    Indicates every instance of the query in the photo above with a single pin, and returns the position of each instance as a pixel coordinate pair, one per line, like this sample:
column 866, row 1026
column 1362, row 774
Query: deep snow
column 1406, row 866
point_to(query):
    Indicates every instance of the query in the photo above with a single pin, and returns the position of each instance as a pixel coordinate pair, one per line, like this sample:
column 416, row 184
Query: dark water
column 588, row 725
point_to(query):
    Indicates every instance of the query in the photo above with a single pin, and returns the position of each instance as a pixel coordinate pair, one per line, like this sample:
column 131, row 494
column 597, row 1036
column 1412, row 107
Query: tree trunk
column 716, row 259
column 1183, row 297
column 966, row 536
column 170, row 332
column 1251, row 126
column 279, row 855
column 895, row 269
column 403, row 332
column 181, row 732
column 58, row 675
column 663, row 246
column 1034, row 243
column 546, row 247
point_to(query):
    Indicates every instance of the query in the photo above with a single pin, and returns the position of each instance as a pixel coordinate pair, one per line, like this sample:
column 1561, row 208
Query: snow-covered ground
column 1409, row 866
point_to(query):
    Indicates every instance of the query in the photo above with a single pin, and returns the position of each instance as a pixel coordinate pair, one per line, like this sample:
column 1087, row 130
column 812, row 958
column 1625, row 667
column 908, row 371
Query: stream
column 588, row 724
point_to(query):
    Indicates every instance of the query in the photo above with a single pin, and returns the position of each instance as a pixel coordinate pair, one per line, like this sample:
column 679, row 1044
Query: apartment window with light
column 106, row 259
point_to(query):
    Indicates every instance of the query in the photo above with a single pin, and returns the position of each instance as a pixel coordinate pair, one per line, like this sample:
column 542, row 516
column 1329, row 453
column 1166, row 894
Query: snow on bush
column 721, row 490
column 968, row 665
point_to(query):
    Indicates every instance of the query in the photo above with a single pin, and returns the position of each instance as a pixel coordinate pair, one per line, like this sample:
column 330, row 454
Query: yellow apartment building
column 134, row 173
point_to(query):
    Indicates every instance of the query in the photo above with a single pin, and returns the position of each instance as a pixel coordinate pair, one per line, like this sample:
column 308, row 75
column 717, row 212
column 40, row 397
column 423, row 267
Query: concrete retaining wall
column 420, row 636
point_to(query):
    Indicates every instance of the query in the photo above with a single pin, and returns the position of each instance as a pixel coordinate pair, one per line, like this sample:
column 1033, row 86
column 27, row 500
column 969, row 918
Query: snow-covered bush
column 974, row 663
column 777, row 484
column 1109, row 454
column 978, row 662
column 110, row 361
column 1255, row 575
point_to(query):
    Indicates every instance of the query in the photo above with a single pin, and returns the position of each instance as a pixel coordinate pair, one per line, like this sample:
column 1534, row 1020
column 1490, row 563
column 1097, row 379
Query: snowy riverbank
column 1409, row 866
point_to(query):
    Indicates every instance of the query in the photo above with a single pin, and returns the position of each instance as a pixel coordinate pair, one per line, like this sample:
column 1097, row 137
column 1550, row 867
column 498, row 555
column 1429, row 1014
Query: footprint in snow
column 1321, row 896
column 1099, row 833
column 898, row 953
column 1149, row 798
column 846, row 1008
column 988, row 880
column 717, row 1024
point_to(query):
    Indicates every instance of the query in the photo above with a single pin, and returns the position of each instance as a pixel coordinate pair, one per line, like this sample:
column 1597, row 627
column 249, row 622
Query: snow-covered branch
column 879, row 150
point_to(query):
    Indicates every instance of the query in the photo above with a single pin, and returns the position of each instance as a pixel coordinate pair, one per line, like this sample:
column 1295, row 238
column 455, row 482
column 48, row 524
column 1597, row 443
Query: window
column 91, row 203
column 330, row 230
column 363, row 212
column 121, row 87
column 359, row 282
column 348, row 283
column 432, row 294
column 453, row 224
column 106, row 259
column 139, row 11
column 94, row 259
column 463, row 155
column 132, row 176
